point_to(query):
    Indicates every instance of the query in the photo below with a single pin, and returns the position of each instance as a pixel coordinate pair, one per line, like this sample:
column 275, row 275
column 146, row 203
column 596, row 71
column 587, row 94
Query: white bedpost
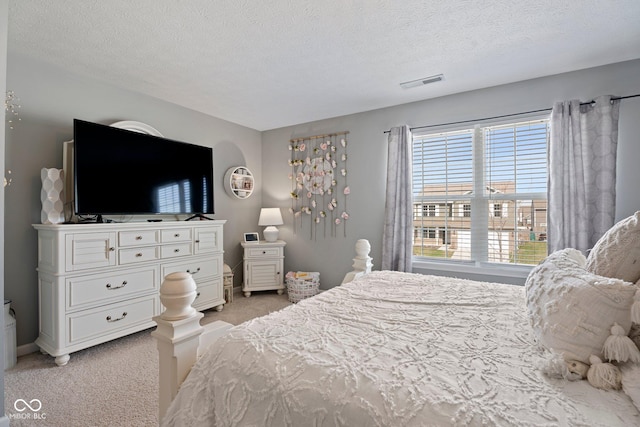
column 178, row 335
column 362, row 263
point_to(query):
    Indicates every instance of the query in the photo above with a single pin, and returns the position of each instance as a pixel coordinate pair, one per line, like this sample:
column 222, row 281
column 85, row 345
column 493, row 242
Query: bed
column 387, row 349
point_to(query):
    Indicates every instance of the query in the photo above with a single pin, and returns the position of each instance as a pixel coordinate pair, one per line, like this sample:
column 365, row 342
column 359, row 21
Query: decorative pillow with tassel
column 573, row 311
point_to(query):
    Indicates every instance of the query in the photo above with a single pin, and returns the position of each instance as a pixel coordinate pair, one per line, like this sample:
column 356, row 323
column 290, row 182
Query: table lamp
column 270, row 217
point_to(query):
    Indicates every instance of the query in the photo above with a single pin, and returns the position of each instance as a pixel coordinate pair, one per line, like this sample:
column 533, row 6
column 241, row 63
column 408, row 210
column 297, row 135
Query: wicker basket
column 302, row 284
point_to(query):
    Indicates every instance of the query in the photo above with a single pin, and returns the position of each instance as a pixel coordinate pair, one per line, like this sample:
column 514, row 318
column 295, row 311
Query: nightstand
column 263, row 267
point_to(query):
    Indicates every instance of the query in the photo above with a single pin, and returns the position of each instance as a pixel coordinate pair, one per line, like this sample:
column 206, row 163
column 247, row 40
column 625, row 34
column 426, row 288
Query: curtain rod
column 510, row 115
column 328, row 135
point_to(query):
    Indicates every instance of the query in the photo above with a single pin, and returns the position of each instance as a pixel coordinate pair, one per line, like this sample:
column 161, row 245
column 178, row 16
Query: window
column 429, row 233
column 430, row 210
column 484, row 191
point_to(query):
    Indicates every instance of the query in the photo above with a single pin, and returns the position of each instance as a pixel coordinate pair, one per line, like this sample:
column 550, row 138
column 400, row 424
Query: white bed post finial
column 362, row 263
column 178, row 335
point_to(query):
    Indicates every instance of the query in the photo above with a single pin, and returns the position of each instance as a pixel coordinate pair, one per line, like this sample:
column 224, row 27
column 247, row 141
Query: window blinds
column 480, row 194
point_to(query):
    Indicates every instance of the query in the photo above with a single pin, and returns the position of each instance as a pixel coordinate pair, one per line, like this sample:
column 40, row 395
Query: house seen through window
column 479, row 194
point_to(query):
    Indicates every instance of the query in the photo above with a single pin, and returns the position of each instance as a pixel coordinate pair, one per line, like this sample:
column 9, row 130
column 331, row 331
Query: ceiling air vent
column 422, row 81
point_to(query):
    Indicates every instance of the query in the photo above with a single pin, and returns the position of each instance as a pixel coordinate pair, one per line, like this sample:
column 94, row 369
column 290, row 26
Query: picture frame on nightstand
column 251, row 238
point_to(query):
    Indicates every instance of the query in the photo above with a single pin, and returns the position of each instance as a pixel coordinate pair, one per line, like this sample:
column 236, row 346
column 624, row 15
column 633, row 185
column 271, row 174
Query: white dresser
column 98, row 282
column 263, row 267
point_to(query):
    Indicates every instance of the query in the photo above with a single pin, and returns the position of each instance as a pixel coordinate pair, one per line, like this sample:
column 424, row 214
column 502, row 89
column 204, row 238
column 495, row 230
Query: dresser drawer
column 137, row 238
column 259, row 252
column 208, row 292
column 172, row 251
column 99, row 289
column 135, row 255
column 201, row 268
column 176, row 235
column 86, row 325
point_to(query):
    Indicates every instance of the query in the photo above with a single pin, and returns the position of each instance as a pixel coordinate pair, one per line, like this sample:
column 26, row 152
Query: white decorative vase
column 52, row 196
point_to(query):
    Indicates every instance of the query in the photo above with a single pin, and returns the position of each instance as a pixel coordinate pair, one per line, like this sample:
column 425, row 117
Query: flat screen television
column 124, row 172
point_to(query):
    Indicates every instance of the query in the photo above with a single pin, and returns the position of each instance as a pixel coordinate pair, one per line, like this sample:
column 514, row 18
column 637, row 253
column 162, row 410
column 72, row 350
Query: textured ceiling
column 268, row 64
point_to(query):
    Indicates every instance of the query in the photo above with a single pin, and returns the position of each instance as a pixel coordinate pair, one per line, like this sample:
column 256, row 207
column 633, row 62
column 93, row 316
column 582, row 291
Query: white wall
column 51, row 99
column 368, row 156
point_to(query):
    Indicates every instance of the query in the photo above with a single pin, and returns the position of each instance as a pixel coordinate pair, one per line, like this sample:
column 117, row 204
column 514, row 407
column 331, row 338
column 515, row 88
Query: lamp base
column 270, row 234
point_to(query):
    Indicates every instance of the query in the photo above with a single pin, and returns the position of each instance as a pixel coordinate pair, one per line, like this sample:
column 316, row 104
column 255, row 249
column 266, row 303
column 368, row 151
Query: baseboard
column 27, row 349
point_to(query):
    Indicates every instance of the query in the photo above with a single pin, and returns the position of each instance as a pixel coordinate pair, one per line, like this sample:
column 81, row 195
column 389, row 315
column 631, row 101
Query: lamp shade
column 270, row 216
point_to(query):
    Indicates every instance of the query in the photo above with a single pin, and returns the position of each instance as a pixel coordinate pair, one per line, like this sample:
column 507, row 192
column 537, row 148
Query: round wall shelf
column 238, row 182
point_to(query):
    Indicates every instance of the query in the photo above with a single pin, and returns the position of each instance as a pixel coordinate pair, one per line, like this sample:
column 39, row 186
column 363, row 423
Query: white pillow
column 617, row 253
column 571, row 310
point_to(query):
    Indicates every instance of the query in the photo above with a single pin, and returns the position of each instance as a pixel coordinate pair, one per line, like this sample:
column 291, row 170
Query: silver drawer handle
column 124, row 283
column 176, row 250
column 176, row 235
column 109, row 319
column 197, row 271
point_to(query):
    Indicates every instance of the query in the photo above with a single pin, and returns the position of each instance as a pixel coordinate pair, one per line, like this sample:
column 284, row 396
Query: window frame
column 479, row 234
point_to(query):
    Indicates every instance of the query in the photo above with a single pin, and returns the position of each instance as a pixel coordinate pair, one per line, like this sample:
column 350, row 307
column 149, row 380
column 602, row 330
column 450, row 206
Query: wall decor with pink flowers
column 319, row 184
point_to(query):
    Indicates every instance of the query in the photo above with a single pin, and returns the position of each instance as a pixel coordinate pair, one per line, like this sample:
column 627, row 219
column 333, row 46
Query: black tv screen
column 123, row 172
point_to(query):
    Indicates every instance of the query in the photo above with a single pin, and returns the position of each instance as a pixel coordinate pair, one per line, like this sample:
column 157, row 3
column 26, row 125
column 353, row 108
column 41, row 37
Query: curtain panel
column 398, row 219
column 582, row 172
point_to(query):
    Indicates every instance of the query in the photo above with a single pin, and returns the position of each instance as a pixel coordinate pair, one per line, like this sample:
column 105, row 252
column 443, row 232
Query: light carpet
column 112, row 384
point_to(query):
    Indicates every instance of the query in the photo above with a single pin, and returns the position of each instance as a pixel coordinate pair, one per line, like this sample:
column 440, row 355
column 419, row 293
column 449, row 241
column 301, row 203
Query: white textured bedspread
column 390, row 349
